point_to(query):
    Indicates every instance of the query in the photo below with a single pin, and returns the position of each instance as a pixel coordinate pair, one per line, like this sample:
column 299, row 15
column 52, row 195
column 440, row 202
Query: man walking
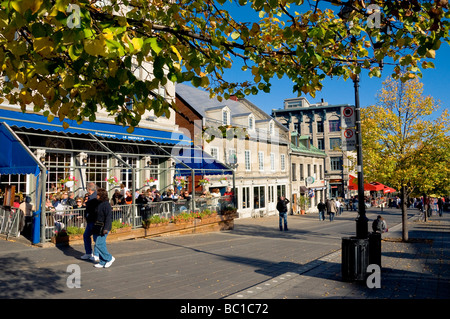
column 282, row 210
column 321, row 207
column 91, row 217
column 331, row 208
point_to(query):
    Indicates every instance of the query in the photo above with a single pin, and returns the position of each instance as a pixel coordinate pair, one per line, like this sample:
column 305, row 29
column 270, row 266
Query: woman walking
column 102, row 227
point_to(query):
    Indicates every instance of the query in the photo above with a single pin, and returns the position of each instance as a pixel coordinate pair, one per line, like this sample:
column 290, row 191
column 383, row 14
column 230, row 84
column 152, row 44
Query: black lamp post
column 361, row 220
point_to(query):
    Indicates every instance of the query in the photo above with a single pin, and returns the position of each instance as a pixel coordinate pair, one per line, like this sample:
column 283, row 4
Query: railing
column 58, row 220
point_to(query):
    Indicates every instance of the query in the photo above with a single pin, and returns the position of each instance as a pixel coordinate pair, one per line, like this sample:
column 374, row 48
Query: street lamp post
column 361, row 220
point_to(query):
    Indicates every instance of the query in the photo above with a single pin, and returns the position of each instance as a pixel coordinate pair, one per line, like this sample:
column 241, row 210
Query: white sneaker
column 109, row 263
column 95, row 259
column 98, row 266
column 86, row 256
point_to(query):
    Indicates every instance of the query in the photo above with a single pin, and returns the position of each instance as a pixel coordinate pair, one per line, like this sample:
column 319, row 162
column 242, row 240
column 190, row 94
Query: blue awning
column 40, row 122
column 14, row 158
column 202, row 163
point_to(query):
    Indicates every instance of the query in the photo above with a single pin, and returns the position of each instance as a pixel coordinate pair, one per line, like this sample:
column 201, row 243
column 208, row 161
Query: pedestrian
column 282, row 210
column 321, row 207
column 379, row 225
column 338, row 207
column 331, row 208
column 102, row 227
column 90, row 215
column 440, row 205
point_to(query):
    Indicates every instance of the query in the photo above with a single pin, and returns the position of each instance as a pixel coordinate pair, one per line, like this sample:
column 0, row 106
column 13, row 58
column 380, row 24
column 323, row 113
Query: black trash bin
column 355, row 258
column 375, row 248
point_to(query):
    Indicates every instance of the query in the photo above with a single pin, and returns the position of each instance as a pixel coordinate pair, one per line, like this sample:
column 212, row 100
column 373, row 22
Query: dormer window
column 251, row 123
column 225, row 117
column 271, row 128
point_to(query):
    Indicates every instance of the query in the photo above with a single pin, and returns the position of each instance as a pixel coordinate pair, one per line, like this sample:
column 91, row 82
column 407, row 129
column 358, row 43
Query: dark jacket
column 91, row 205
column 282, row 205
column 321, row 207
column 104, row 214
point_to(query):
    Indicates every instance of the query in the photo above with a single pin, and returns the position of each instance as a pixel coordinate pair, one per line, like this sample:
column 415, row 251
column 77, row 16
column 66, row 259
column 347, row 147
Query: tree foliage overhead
column 70, row 57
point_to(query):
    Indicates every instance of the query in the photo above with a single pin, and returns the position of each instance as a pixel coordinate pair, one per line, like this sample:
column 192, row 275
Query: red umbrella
column 388, row 190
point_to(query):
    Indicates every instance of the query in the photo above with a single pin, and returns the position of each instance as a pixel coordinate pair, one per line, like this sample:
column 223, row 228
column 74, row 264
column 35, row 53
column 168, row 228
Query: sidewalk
column 419, row 269
column 254, row 261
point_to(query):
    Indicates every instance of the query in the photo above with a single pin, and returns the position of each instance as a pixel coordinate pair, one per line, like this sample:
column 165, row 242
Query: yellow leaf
column 174, row 49
column 43, row 46
column 95, row 47
column 65, row 125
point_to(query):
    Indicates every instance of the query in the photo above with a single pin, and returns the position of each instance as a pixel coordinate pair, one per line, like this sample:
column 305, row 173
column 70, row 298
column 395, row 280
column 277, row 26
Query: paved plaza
column 253, row 261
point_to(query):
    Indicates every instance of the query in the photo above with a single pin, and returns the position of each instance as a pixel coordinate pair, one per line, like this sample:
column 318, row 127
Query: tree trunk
column 404, row 207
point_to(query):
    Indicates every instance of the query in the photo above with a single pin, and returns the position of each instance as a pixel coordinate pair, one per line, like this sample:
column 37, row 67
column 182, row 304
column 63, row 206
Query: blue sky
column 338, row 91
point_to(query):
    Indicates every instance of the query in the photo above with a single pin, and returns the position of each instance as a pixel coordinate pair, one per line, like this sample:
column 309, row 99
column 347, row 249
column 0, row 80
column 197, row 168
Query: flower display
column 180, row 181
column 204, row 181
column 112, row 180
column 151, row 180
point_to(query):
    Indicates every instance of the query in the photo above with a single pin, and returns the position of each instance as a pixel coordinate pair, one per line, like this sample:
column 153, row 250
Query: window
column 245, row 197
column 336, row 163
column 271, row 192
column 309, row 170
column 320, row 144
column 98, row 172
column 248, row 166
column 271, row 128
column 55, row 174
column 334, row 125
column 259, row 200
column 272, row 162
column 232, row 157
column 320, row 127
column 225, row 117
column 320, row 172
column 281, row 190
column 261, row 161
column 127, row 174
column 20, row 181
column 283, row 162
column 294, row 174
column 302, row 175
column 250, row 123
column 215, row 152
column 335, row 143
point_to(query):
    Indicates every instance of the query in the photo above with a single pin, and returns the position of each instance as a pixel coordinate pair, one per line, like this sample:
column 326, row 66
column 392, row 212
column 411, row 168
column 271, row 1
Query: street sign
column 349, row 129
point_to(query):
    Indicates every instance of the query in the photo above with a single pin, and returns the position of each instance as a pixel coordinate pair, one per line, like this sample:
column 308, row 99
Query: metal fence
column 63, row 219
column 10, row 220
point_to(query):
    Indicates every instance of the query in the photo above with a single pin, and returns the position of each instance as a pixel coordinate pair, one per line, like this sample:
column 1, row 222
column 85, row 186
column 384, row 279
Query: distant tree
column 403, row 146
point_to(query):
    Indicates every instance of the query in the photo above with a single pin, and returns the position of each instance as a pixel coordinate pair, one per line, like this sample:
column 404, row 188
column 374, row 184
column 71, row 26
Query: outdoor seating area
column 71, row 220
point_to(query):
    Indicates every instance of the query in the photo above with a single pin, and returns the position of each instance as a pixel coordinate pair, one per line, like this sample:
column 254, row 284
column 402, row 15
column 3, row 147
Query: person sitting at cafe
column 117, row 198
column 79, row 203
column 128, row 198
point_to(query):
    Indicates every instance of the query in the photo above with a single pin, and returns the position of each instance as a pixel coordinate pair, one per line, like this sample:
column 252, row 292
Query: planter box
column 198, row 225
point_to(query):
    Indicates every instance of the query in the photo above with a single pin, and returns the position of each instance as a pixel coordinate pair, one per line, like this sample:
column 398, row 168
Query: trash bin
column 375, row 248
column 36, row 228
column 355, row 258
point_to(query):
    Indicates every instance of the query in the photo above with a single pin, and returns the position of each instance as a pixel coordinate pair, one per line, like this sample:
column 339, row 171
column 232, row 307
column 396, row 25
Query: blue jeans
column 283, row 217
column 87, row 238
column 100, row 248
column 331, row 217
column 321, row 215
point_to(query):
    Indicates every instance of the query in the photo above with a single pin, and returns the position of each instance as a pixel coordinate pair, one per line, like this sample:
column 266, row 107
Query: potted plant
column 150, row 181
column 180, row 182
column 303, row 201
column 68, row 181
column 112, row 180
column 203, row 182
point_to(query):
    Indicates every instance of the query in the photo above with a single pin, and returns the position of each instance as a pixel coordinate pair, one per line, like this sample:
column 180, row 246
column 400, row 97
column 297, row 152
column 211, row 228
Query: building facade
column 308, row 186
column 239, row 134
column 324, row 125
